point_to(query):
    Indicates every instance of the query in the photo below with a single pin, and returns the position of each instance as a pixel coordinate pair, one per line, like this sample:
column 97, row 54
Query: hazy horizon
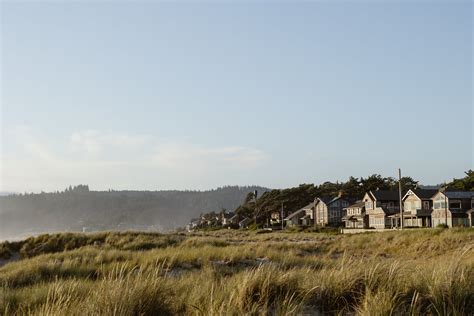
column 183, row 95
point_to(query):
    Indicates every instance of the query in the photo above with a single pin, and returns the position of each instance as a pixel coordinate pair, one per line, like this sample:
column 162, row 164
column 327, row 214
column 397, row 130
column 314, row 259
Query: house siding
column 331, row 213
column 443, row 206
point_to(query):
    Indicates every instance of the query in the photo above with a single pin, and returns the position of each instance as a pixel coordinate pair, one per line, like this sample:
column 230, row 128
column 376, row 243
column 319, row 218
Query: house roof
column 356, row 204
column 385, row 195
column 459, row 194
column 245, row 220
column 328, row 199
column 298, row 212
column 353, row 218
column 310, row 205
column 424, row 193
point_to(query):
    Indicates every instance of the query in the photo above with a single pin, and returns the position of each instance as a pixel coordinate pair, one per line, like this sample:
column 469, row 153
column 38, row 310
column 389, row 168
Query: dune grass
column 233, row 273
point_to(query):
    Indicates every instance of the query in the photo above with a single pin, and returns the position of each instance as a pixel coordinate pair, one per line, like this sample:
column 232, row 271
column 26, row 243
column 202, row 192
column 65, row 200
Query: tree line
column 354, row 189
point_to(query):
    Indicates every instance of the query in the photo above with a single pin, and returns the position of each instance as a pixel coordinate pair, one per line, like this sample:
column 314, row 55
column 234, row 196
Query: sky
column 200, row 94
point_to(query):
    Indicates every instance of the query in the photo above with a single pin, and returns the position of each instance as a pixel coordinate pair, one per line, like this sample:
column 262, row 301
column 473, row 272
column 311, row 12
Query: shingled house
column 301, row 217
column 379, row 205
column 356, row 216
column 451, row 208
column 417, row 208
column 329, row 210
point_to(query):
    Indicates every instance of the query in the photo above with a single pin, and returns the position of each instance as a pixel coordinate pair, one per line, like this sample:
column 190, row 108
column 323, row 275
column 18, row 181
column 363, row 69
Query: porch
column 409, row 220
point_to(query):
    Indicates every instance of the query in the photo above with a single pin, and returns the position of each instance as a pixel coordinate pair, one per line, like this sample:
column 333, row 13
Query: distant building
column 276, row 217
column 379, row 205
column 330, row 210
column 470, row 215
column 452, row 208
column 301, row 217
column 294, row 218
column 234, row 220
column 193, row 224
column 225, row 218
column 245, row 222
column 356, row 216
column 417, row 208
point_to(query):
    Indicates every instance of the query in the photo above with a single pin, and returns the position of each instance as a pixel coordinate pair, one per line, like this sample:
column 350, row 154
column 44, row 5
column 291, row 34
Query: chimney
column 340, row 194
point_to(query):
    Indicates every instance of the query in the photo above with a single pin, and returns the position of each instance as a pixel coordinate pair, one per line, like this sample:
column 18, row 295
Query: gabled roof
column 356, row 204
column 235, row 216
column 423, row 194
column 328, row 200
column 310, row 205
column 385, row 195
column 298, row 212
column 245, row 221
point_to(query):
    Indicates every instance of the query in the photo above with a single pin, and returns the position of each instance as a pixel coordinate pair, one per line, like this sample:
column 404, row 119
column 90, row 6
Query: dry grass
column 412, row 272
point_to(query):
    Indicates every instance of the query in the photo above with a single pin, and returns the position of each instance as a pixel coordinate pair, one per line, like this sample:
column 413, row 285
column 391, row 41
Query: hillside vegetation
column 240, row 272
column 77, row 208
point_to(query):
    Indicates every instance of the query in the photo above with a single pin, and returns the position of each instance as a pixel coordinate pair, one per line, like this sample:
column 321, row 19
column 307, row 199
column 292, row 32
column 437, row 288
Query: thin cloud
column 111, row 159
column 185, row 155
column 95, row 142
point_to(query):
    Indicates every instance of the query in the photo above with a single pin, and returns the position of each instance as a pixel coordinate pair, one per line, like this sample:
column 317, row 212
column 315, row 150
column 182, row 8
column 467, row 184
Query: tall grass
column 205, row 275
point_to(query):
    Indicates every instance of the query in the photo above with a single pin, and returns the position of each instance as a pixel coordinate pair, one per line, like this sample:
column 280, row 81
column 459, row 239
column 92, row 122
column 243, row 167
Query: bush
column 5, row 252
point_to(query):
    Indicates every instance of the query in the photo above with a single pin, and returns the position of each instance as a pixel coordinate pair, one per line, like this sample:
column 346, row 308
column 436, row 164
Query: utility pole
column 445, row 209
column 314, row 213
column 400, row 196
column 443, row 190
column 445, row 206
column 281, row 215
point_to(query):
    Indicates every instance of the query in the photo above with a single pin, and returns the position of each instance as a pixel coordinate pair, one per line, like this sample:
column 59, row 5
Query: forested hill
column 76, row 208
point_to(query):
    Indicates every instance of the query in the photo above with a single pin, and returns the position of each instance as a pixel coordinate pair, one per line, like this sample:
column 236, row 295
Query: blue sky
column 195, row 95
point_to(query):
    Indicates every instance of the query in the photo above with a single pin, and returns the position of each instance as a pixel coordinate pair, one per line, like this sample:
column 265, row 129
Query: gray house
column 245, row 222
column 301, row 217
column 356, row 216
column 329, row 210
column 417, row 208
column 452, row 208
column 470, row 215
column 379, row 205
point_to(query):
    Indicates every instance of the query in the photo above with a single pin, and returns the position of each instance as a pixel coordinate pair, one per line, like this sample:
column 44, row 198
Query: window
column 455, row 204
column 426, row 205
column 439, row 205
column 368, row 205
